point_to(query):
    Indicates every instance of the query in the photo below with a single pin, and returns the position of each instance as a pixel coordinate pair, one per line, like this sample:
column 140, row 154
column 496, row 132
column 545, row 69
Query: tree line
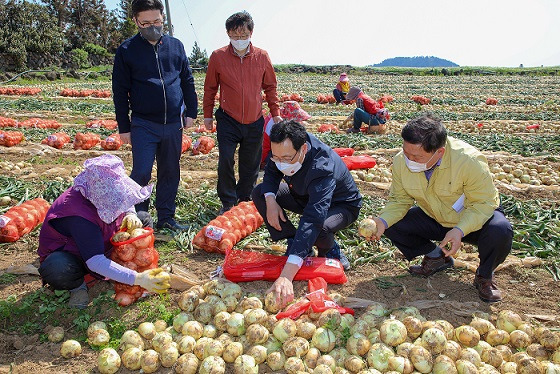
column 57, row 26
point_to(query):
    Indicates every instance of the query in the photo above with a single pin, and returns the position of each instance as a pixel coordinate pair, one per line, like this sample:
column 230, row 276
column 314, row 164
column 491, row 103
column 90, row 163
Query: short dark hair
column 240, row 20
column 143, row 5
column 289, row 130
column 426, row 130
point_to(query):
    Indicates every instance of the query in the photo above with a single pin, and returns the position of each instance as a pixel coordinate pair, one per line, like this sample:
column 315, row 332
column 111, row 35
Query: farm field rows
column 520, row 137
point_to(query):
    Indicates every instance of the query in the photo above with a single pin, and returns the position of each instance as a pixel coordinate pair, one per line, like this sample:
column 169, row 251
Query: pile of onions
column 219, row 328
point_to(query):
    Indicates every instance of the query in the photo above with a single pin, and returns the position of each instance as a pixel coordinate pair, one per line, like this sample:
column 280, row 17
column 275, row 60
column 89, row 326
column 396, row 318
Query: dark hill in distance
column 417, row 62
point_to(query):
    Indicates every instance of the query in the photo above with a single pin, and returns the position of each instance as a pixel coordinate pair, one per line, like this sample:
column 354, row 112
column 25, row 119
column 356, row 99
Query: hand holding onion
column 371, row 228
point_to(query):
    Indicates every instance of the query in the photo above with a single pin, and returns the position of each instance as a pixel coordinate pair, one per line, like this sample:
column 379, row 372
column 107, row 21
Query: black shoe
column 353, row 131
column 172, row 225
column 223, row 210
column 431, row 265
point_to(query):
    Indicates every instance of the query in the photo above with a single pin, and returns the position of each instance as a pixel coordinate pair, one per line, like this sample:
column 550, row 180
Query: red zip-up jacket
column 241, row 81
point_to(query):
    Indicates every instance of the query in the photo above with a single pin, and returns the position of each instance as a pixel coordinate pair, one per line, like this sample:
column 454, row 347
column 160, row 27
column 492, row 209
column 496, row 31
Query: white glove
column 131, row 222
column 153, row 280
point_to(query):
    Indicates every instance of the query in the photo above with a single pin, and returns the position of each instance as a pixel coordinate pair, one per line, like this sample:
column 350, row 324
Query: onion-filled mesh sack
column 106, row 123
column 134, row 250
column 204, row 145
column 10, row 138
column 246, row 266
column 56, row 140
column 223, row 232
column 112, row 142
column 186, row 143
column 359, row 162
column 86, row 140
column 22, row 219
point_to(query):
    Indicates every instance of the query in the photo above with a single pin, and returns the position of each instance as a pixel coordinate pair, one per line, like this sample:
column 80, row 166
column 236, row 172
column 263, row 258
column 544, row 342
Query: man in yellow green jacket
column 442, row 190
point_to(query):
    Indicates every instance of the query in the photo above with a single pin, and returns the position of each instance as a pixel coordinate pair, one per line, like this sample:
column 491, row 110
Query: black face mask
column 151, row 33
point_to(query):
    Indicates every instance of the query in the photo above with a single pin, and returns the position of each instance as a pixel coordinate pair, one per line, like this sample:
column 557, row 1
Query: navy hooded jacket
column 152, row 81
column 323, row 181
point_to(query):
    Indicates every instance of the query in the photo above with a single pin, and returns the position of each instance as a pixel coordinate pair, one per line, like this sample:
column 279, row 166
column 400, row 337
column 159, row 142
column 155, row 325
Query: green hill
column 417, row 62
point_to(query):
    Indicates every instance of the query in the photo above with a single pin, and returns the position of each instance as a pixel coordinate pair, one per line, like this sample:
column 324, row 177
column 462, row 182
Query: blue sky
column 325, row 32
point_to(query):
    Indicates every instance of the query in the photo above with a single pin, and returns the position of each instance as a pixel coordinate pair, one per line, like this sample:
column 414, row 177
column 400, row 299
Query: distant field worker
column 342, row 88
column 290, row 110
column 74, row 241
column 368, row 111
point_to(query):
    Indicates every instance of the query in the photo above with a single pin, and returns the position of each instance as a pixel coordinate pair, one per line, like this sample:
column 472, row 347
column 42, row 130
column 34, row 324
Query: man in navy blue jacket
column 318, row 186
column 152, row 79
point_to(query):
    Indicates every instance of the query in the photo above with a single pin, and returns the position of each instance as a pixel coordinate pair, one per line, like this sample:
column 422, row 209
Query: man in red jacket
column 241, row 72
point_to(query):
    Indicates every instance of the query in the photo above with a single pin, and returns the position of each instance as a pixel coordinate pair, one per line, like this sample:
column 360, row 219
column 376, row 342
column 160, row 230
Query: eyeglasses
column 285, row 160
column 239, row 37
column 145, row 24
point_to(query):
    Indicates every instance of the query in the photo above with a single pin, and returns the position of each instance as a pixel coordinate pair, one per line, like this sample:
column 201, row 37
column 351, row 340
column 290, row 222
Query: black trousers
column 249, row 137
column 413, row 236
column 338, row 217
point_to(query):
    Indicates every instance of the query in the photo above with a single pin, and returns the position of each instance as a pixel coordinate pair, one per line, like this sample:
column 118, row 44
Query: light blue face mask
column 240, row 44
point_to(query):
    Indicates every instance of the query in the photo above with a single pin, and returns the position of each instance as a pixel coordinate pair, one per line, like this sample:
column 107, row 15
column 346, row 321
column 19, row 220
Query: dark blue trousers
column 339, row 95
column 249, row 138
column 361, row 116
column 338, row 217
column 162, row 143
column 63, row 270
column 413, row 236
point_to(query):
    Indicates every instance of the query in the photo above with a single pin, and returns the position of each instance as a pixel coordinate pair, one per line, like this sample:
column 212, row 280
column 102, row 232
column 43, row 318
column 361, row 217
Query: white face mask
column 241, row 44
column 287, row 168
column 417, row 167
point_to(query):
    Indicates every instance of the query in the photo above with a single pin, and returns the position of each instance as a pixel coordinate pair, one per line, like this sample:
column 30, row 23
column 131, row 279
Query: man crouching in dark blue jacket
column 318, row 186
column 152, row 78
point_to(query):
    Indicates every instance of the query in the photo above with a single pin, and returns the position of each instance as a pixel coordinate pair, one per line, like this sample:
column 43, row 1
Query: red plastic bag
column 320, row 301
column 223, row 232
column 137, row 254
column 22, row 219
column 343, row 152
column 247, row 266
column 295, row 310
column 316, row 299
column 359, row 162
